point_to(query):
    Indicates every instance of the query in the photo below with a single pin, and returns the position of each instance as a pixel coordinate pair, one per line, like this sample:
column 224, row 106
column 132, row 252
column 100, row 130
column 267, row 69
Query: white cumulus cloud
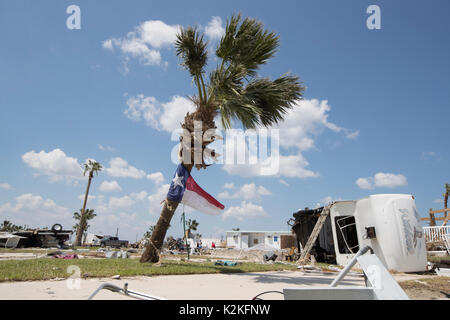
column 35, row 211
column 245, row 211
column 145, row 42
column 297, row 133
column 54, row 164
column 156, row 177
column 160, row 116
column 5, row 186
column 214, row 30
column 228, row 185
column 119, row 168
column 381, row 179
column 110, row 186
column 305, row 121
column 247, row 192
column 156, row 198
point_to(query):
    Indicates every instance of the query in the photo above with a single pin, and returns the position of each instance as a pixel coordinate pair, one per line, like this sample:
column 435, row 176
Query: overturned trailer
column 388, row 223
column 43, row 238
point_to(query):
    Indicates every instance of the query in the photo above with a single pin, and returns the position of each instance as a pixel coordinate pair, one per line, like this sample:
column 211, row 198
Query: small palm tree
column 8, row 226
column 89, row 215
column 234, row 90
column 447, row 190
column 148, row 233
column 191, row 225
column 91, row 167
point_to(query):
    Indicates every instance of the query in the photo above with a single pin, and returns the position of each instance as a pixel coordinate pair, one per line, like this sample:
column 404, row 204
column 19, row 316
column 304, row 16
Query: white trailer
column 388, row 223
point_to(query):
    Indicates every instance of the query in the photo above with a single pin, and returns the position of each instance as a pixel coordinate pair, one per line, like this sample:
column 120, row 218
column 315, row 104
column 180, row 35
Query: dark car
column 110, row 241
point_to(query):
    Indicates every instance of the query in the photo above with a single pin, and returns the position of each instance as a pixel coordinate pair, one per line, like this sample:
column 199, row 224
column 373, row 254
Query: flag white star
column 177, row 180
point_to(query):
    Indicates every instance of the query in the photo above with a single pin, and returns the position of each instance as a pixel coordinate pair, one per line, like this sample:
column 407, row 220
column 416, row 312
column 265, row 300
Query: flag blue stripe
column 176, row 191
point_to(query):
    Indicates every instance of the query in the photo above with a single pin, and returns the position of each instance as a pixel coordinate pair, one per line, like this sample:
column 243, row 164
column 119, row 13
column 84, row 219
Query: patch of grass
column 438, row 258
column 48, row 268
column 18, row 250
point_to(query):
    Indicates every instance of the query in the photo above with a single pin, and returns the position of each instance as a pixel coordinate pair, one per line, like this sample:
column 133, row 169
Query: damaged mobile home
column 388, row 223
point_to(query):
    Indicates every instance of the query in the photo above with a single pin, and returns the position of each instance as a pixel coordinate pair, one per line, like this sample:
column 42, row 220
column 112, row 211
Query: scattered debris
column 66, row 256
column 55, row 253
column 57, row 279
column 226, row 263
column 116, row 277
column 117, row 254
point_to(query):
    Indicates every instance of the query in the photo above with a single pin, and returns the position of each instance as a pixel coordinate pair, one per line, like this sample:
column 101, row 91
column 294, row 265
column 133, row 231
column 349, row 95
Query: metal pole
column 184, row 230
column 349, row 266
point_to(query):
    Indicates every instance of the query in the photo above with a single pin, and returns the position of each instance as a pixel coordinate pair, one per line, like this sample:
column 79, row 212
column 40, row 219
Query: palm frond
column 273, row 98
column 191, row 48
column 246, row 43
column 91, row 167
column 262, row 102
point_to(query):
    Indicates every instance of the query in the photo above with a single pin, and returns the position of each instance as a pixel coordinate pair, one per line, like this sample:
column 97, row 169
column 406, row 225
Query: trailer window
column 346, row 234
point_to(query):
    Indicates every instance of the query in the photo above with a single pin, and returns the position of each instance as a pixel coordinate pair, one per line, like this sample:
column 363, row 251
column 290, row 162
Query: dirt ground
column 428, row 288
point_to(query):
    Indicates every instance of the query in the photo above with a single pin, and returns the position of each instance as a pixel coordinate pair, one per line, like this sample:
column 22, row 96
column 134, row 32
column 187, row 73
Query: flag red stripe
column 193, row 186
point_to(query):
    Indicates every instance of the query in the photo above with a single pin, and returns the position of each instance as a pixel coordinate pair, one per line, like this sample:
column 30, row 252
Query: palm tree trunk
column 155, row 243
column 80, row 230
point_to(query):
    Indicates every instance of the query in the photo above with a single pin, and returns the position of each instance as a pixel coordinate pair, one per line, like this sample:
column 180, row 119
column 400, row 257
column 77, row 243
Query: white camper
column 388, row 223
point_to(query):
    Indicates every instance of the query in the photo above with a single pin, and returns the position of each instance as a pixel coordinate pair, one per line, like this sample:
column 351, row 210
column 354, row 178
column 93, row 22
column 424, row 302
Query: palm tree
column 233, row 90
column 192, row 225
column 89, row 215
column 447, row 189
column 148, row 233
column 91, row 167
column 8, row 226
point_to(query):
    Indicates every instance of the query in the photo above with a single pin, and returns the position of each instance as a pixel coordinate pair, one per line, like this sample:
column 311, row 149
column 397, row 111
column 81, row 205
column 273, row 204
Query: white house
column 248, row 239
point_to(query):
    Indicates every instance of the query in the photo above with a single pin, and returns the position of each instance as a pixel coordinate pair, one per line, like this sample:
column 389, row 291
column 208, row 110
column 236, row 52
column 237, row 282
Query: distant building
column 248, row 239
column 92, row 239
column 207, row 242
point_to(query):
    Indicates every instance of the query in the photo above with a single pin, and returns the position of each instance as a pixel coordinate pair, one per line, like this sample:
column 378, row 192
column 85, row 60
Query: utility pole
column 117, row 233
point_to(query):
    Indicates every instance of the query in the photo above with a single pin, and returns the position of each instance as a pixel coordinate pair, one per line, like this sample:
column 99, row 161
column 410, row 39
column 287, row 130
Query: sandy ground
column 202, row 286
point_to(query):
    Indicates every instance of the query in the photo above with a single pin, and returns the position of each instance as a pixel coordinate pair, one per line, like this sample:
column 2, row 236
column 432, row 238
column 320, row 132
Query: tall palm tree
column 91, row 167
column 233, row 90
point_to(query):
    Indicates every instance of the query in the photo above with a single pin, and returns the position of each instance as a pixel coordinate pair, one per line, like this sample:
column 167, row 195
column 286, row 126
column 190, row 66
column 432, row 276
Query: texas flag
column 184, row 189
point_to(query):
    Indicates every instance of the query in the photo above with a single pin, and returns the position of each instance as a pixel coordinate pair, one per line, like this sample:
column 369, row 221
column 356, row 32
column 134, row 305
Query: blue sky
column 376, row 103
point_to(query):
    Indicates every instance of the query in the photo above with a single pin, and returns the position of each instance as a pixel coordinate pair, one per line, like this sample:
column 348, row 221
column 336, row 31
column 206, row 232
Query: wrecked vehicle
column 41, row 238
column 388, row 223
